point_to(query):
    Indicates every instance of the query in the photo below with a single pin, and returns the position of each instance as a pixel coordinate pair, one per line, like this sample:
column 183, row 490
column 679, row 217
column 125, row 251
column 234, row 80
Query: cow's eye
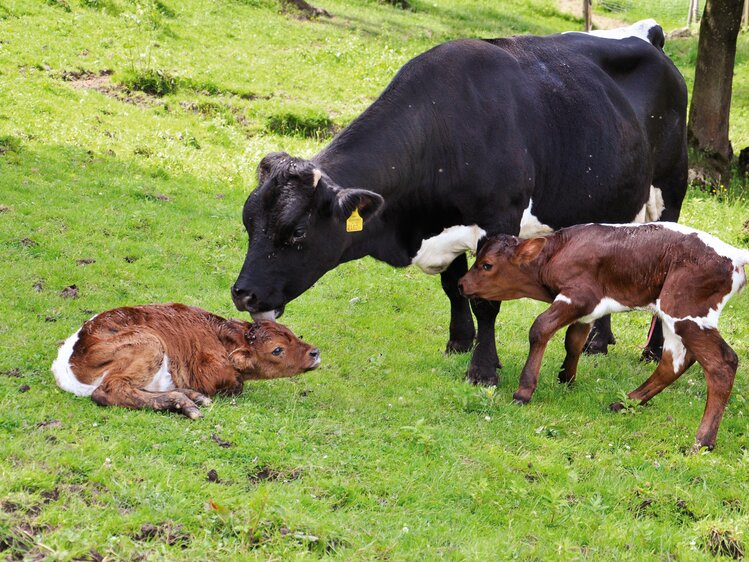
column 278, row 351
column 487, row 266
column 299, row 233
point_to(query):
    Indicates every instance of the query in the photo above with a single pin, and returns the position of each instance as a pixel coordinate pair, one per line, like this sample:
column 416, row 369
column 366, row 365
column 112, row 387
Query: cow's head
column 296, row 221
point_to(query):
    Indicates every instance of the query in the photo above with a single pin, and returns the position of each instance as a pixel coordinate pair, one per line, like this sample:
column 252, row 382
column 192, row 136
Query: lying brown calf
column 682, row 275
column 172, row 357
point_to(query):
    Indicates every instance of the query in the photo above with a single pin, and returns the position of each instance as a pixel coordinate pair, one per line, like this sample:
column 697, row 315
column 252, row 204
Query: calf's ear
column 528, row 250
column 367, row 202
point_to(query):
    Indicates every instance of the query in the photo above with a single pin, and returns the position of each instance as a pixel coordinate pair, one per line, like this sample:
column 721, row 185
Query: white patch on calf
column 607, row 305
column 162, row 380
column 437, row 253
column 530, row 226
column 64, row 374
column 672, row 342
column 639, row 30
column 561, row 298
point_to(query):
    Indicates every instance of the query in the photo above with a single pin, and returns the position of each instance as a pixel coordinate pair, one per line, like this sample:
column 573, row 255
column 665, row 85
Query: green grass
column 383, row 453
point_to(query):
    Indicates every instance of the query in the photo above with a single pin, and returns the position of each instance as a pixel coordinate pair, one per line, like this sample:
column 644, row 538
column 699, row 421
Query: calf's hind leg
column 574, row 342
column 720, row 363
column 133, row 366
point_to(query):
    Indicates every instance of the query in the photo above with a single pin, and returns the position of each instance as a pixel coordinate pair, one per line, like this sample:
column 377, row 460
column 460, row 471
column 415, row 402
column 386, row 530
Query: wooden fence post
column 587, row 14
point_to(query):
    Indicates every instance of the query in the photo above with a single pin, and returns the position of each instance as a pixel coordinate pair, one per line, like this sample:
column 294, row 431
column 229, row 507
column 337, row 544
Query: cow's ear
column 367, row 202
column 267, row 164
column 528, row 250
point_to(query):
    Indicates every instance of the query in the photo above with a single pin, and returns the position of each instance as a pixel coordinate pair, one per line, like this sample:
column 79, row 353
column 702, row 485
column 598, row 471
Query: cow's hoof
column 565, row 377
column 459, row 346
column 520, row 398
column 482, row 377
column 596, row 347
column 616, row 406
column 651, row 355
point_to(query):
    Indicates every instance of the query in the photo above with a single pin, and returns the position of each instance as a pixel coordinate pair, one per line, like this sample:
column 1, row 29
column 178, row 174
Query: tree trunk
column 711, row 96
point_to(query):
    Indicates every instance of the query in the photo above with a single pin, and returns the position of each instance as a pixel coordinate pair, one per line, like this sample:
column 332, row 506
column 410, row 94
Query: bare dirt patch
column 268, row 474
column 102, row 82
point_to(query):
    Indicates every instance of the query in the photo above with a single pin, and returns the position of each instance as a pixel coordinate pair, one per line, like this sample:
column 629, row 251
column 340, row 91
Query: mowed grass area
column 384, row 452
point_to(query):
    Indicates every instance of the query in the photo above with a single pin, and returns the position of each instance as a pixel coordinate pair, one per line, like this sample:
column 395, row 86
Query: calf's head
column 266, row 350
column 501, row 269
column 296, row 222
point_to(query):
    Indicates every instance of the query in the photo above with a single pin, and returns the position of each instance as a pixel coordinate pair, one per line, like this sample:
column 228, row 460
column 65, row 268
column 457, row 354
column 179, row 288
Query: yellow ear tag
column 354, row 223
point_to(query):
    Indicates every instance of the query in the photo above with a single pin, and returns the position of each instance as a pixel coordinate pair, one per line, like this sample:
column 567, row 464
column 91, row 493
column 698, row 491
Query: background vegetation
column 129, row 136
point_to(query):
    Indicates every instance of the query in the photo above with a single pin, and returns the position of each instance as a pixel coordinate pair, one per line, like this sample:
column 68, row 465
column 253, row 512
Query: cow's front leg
column 462, row 331
column 600, row 337
column 484, row 362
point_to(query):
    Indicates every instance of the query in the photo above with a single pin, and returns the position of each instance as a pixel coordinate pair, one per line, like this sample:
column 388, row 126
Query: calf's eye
column 487, row 266
column 277, row 351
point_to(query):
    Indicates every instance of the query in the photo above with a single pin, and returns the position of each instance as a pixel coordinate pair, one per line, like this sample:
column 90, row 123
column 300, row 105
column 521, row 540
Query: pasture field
column 129, row 135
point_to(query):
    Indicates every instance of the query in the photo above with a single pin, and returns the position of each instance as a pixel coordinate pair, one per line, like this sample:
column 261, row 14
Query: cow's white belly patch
column 653, row 208
column 530, row 226
column 607, row 305
column 437, row 253
column 162, row 380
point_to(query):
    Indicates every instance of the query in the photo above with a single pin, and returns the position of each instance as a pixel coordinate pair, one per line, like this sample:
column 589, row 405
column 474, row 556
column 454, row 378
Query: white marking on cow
column 561, row 298
column 162, row 380
column 437, row 253
column 64, row 374
column 530, row 226
column 639, row 30
column 607, row 305
column 653, row 208
column 265, row 315
column 738, row 256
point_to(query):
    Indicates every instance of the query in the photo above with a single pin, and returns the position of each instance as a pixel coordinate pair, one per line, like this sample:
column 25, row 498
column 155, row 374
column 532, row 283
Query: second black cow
column 518, row 135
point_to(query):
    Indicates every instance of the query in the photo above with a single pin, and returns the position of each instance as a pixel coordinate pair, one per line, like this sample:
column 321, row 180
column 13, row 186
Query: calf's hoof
column 651, row 355
column 616, row 406
column 521, row 398
column 458, row 346
column 202, row 400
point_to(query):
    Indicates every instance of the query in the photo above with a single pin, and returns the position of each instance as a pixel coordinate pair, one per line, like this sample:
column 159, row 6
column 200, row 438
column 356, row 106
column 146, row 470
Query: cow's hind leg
column 484, row 362
column 462, row 331
column 673, row 188
column 600, row 337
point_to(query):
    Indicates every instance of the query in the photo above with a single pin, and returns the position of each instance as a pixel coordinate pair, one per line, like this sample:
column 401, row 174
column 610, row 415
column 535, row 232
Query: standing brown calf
column 682, row 275
column 172, row 357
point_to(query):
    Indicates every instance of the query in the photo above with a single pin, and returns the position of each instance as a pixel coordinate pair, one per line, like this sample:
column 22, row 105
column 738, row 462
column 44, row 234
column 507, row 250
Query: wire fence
column 671, row 14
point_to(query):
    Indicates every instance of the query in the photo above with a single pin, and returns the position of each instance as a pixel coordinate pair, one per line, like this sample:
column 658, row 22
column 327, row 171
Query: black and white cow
column 518, row 135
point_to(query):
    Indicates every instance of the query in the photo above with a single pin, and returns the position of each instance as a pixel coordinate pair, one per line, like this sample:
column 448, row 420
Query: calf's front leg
column 557, row 316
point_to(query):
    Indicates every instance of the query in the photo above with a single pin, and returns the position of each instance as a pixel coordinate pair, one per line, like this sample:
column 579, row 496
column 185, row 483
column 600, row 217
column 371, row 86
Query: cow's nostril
column 315, row 353
column 243, row 299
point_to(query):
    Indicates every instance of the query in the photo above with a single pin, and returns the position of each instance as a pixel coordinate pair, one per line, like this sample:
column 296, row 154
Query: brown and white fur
column 173, row 357
column 682, row 275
